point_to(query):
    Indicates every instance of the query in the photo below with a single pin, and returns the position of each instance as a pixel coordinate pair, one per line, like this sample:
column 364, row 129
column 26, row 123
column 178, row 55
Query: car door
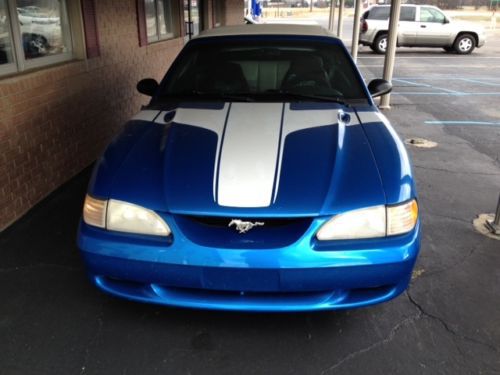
column 433, row 27
column 407, row 33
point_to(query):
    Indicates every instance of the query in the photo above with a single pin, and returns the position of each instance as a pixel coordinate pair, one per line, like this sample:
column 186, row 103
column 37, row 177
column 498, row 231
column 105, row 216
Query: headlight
column 123, row 217
column 372, row 222
column 364, row 223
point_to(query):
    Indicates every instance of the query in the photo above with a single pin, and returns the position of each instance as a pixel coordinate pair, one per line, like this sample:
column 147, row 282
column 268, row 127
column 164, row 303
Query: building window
column 33, row 33
column 159, row 20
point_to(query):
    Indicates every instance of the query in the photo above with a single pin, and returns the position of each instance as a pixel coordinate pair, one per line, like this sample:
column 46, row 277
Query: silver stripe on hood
column 249, row 153
column 146, row 115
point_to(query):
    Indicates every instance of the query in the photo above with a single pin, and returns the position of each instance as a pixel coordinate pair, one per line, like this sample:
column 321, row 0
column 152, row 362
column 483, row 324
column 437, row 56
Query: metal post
column 497, row 214
column 331, row 19
column 355, row 30
column 494, row 226
column 390, row 53
column 340, row 22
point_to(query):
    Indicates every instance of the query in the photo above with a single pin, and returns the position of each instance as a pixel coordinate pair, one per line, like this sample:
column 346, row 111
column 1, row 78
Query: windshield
column 262, row 70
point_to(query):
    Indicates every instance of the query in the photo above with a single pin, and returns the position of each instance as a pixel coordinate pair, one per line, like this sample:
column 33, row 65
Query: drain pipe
column 494, row 225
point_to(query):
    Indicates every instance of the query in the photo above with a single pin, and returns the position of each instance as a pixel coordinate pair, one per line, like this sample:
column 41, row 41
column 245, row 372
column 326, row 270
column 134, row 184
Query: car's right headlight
column 123, row 217
column 365, row 223
column 371, row 222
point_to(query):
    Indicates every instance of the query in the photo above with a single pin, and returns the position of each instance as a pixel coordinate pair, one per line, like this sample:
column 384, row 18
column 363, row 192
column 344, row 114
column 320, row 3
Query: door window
column 407, row 14
column 431, row 15
column 192, row 18
column 379, row 13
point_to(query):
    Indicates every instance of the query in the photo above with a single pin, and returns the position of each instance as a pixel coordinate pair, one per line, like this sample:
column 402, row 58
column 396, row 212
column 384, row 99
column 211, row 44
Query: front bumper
column 481, row 40
column 305, row 275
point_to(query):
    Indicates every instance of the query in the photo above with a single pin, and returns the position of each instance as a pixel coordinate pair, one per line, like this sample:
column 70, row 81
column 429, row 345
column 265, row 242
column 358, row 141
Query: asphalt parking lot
column 52, row 321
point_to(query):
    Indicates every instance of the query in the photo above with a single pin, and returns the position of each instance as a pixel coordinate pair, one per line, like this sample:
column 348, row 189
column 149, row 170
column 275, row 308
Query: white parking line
column 479, row 82
column 431, row 57
column 420, row 67
column 444, row 77
column 425, row 85
column 447, row 93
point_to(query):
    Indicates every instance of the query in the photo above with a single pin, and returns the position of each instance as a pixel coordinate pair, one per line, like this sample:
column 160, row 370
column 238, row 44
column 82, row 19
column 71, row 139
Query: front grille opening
column 213, row 231
column 223, row 222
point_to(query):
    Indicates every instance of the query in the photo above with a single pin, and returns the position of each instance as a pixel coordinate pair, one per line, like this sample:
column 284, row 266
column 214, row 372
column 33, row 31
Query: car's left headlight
column 123, row 217
column 371, row 222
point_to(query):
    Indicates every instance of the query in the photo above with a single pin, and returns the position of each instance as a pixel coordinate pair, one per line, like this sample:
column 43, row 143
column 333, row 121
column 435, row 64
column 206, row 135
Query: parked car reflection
column 41, row 32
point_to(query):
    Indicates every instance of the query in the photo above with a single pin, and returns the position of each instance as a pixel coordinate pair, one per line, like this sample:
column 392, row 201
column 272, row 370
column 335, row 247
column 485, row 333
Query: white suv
column 420, row 26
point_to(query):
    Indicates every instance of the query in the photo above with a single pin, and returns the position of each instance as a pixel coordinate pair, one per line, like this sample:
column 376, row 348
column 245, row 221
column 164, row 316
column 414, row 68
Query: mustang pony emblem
column 244, row 226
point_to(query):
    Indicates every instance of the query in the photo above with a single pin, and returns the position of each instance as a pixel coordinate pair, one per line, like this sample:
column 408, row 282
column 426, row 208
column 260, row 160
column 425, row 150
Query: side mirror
column 446, row 20
column 147, row 86
column 379, row 87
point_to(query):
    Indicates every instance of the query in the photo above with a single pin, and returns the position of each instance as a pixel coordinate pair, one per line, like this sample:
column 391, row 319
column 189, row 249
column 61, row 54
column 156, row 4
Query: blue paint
column 449, row 93
column 352, row 275
column 426, row 85
column 443, row 77
column 411, row 83
column 480, row 123
column 480, row 82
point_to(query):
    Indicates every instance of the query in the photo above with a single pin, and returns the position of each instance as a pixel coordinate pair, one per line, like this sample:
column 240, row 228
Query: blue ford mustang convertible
column 260, row 177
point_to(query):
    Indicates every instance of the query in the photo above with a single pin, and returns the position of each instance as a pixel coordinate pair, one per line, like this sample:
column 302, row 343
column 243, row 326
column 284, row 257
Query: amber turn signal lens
column 402, row 218
column 94, row 212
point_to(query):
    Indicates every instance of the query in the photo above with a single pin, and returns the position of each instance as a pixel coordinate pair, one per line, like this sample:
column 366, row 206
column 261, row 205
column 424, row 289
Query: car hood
column 244, row 159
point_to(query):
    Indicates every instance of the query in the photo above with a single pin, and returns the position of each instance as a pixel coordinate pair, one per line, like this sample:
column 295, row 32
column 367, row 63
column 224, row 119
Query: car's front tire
column 464, row 44
column 380, row 44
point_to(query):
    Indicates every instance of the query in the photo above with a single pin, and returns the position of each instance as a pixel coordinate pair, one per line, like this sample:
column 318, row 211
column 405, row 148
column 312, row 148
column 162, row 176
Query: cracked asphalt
column 52, row 321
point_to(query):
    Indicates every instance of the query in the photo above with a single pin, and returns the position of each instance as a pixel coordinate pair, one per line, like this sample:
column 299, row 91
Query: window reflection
column 41, row 23
column 5, row 39
column 150, row 10
column 164, row 12
column 159, row 19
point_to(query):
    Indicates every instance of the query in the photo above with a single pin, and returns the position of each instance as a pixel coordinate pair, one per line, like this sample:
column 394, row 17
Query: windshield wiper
column 237, row 97
column 312, row 97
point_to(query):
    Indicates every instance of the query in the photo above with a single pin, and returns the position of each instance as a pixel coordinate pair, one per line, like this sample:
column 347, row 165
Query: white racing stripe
column 146, row 115
column 367, row 117
column 249, row 154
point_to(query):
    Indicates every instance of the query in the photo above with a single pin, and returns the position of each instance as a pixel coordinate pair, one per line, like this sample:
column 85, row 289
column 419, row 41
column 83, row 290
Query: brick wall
column 56, row 121
column 233, row 14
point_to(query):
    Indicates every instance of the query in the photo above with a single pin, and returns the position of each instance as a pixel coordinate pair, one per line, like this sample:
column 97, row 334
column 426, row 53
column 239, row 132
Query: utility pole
column 331, row 19
column 340, row 22
column 390, row 53
column 355, row 30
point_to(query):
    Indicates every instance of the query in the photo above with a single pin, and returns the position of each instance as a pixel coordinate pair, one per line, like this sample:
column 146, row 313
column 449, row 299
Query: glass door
column 192, row 18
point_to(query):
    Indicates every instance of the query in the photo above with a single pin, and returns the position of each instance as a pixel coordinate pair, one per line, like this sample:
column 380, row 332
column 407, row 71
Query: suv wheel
column 380, row 44
column 464, row 44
